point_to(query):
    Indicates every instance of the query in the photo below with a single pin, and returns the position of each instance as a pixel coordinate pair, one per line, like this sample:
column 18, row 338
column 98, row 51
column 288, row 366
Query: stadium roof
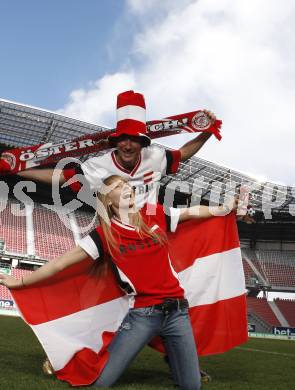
column 216, row 181
column 22, row 125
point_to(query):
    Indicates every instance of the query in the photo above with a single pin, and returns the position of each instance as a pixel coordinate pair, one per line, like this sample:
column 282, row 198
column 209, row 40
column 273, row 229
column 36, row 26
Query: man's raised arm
column 193, row 146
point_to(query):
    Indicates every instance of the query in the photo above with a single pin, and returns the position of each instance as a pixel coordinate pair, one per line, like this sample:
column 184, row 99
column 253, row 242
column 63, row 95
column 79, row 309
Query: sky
column 233, row 57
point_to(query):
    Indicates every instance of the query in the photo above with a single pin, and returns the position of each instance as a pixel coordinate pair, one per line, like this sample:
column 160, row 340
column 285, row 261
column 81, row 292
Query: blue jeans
column 138, row 328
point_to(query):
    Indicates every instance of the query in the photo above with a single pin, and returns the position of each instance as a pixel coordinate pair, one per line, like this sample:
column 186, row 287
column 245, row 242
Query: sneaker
column 205, row 378
column 47, row 367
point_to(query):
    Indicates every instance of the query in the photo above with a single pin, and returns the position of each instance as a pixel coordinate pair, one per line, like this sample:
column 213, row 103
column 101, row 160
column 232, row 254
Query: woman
column 135, row 243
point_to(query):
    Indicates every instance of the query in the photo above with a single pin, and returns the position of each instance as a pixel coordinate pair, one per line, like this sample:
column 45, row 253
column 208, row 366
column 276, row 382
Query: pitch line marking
column 269, row 352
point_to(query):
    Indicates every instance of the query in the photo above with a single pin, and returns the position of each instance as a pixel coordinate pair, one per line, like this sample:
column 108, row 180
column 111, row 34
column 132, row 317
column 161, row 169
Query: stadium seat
column 287, row 307
column 13, row 228
column 276, row 267
column 52, row 237
column 262, row 309
column 249, row 273
column 85, row 222
column 17, row 273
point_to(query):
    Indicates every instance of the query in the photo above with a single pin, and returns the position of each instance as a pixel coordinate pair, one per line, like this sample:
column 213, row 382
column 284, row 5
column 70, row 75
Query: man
column 133, row 157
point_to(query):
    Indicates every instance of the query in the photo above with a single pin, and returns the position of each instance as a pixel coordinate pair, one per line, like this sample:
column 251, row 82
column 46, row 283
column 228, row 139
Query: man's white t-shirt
column 153, row 163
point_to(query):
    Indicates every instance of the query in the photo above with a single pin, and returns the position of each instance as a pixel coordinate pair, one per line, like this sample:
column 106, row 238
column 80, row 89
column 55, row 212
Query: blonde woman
column 135, row 243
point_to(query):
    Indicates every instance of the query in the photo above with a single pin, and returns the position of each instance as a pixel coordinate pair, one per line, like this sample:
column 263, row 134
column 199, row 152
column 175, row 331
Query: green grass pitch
column 259, row 364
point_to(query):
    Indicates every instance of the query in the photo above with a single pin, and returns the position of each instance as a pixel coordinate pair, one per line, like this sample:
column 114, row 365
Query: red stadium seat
column 17, row 273
column 13, row 228
column 52, row 237
column 262, row 309
column 85, row 222
column 287, row 307
column 276, row 267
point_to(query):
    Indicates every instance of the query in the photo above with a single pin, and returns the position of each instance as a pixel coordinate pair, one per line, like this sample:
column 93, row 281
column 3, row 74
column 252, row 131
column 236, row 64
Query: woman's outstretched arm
column 69, row 258
column 203, row 212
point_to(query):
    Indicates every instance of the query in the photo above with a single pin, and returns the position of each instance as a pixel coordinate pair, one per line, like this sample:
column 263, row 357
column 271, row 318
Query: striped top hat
column 130, row 118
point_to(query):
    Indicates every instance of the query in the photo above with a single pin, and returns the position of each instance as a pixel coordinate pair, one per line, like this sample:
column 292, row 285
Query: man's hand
column 194, row 145
column 211, row 115
column 10, row 282
column 213, row 129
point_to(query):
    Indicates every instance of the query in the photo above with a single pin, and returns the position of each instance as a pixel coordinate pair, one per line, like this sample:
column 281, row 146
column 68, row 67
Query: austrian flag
column 75, row 314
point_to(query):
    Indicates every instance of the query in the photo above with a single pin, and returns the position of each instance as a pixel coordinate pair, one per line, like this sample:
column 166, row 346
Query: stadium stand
column 261, row 307
column 4, row 293
column 52, row 232
column 250, row 275
column 277, row 268
column 13, row 227
column 256, row 266
column 52, row 237
column 85, row 222
column 268, row 314
column 287, row 308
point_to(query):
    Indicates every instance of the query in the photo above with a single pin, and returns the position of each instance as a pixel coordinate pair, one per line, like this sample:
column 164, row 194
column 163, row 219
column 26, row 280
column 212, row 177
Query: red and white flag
column 75, row 315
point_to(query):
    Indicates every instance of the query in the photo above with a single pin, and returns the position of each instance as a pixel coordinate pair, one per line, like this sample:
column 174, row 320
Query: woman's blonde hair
column 105, row 213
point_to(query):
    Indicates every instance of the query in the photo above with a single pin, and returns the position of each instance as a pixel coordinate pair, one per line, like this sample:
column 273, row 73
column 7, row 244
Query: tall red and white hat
column 131, row 118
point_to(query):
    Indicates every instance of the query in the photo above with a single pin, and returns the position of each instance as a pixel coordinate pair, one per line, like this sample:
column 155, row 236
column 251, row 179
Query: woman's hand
column 10, row 281
column 233, row 204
